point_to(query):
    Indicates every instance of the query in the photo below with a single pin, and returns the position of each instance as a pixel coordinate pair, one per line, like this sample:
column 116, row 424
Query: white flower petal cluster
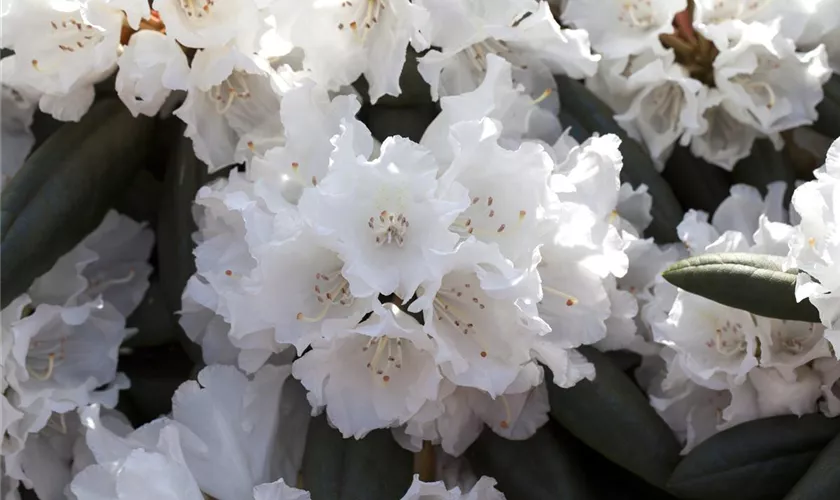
column 724, row 366
column 221, row 440
column 59, row 347
column 418, row 283
column 522, row 31
column 230, row 436
column 226, row 65
column 813, row 246
column 63, row 48
column 735, row 71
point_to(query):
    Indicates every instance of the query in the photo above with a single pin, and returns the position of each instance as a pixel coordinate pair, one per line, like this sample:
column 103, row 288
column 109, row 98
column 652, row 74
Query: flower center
column 388, row 228
column 665, row 107
column 729, row 339
column 387, row 356
column 361, row 16
column 43, row 356
column 73, row 35
column 477, row 52
column 225, row 93
column 197, row 9
column 455, row 303
column 481, row 219
column 637, row 14
column 330, row 289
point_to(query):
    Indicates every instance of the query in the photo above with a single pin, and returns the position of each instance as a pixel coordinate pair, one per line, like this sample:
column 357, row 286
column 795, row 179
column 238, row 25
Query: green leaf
column 373, row 468
column 611, row 415
column 828, row 110
column 65, row 188
column 587, row 114
column 155, row 374
column 822, row 479
column 185, row 174
column 154, row 323
column 543, row 467
column 754, row 283
column 765, row 165
column 756, row 460
column 697, row 183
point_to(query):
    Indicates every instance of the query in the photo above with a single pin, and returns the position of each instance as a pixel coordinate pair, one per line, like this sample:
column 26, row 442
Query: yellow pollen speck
column 812, row 242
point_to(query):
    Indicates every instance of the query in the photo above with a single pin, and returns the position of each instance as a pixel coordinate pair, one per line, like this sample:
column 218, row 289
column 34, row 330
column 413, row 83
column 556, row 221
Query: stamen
column 46, row 375
column 570, row 300
column 543, row 96
column 508, row 418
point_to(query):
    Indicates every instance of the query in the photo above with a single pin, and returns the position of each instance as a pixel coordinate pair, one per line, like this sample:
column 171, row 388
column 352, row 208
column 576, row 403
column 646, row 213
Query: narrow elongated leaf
column 611, row 415
column 757, row 460
column 376, row 468
column 765, row 165
column 822, row 479
column 697, row 183
column 64, row 190
column 754, row 283
column 153, row 321
column 184, row 175
column 828, row 110
column 323, row 460
column 543, row 467
column 592, row 115
column 373, row 468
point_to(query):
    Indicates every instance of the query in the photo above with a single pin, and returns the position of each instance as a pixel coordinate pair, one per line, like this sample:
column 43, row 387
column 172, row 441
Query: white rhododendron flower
column 715, row 81
column 813, row 249
column 60, row 339
column 484, row 489
column 64, row 48
column 230, row 95
column 725, row 366
column 204, row 24
column 756, row 68
column 523, row 31
column 343, row 40
column 619, row 28
column 386, row 218
column 151, row 66
column 376, row 375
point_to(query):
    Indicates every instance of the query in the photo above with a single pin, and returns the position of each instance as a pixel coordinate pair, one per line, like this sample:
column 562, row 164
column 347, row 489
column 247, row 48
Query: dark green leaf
column 543, row 467
column 588, row 115
column 823, row 477
column 373, row 468
column 184, row 175
column 765, row 165
column 828, row 110
column 376, row 468
column 754, row 283
column 757, row 460
column 155, row 374
column 323, row 460
column 611, row 415
column 154, row 323
column 64, row 190
column 697, row 183
column 142, row 199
